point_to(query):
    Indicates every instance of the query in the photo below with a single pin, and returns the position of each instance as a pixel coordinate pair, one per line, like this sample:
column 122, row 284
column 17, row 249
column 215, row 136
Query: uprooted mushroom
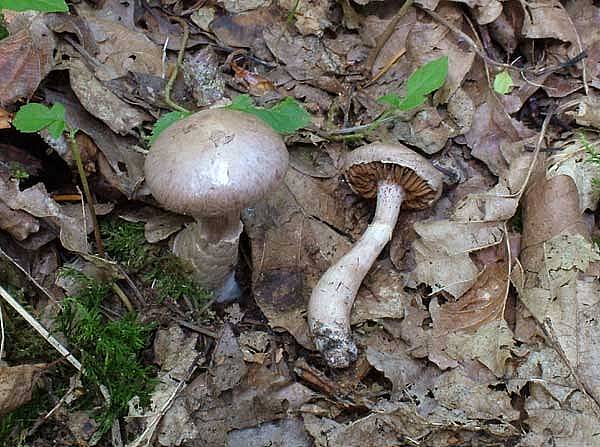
column 211, row 165
column 398, row 177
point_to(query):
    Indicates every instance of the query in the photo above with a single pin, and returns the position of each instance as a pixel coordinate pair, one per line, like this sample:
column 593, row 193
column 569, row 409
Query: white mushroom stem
column 210, row 245
column 332, row 299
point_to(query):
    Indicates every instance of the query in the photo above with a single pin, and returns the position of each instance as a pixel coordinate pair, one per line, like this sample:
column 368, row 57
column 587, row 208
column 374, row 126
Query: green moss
column 166, row 274
column 125, row 243
column 109, row 350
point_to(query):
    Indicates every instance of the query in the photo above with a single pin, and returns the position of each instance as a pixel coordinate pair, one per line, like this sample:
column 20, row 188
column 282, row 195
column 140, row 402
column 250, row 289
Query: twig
column 148, row 433
column 383, row 38
column 29, row 277
column 386, row 67
column 548, row 330
column 198, row 329
column 1, row 334
column 117, row 289
column 48, row 415
column 86, row 189
column 171, row 81
column 39, row 328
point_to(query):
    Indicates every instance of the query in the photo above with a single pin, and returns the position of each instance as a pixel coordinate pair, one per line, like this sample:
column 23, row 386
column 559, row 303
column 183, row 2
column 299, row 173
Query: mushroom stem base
column 333, row 297
column 213, row 261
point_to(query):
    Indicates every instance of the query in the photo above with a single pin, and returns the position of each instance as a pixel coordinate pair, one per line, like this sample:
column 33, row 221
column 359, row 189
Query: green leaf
column 35, row 5
column 165, row 121
column 34, row 117
column 286, row 117
column 411, row 102
column 427, row 78
column 503, row 83
column 391, row 99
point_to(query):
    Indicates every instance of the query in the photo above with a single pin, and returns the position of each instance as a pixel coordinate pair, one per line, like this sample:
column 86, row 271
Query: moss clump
column 109, row 349
column 166, row 274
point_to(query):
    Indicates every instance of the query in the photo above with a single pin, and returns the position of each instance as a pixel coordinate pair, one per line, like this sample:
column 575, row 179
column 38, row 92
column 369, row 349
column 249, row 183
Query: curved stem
column 332, row 299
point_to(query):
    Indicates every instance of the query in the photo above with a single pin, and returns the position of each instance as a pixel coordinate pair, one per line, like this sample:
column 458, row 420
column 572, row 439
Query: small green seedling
column 425, row 80
column 593, row 156
column 285, row 117
column 34, row 117
column 3, row 29
column 503, row 83
column 35, row 5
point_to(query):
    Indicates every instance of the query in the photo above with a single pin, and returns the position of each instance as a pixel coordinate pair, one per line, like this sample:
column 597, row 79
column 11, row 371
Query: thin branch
column 86, row 189
column 383, row 38
column 39, row 328
column 171, row 81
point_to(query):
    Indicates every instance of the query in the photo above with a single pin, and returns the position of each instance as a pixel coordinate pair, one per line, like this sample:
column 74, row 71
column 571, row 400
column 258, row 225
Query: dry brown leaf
column 37, row 202
column 18, row 224
column 227, row 368
column 547, row 19
column 456, row 390
column 491, row 129
column 120, row 116
column 5, row 119
column 16, row 385
column 122, row 49
column 287, row 432
column 557, row 413
column 26, row 57
column 245, row 30
column 266, row 393
column 309, row 16
column 391, row 357
column 482, row 303
column 553, row 283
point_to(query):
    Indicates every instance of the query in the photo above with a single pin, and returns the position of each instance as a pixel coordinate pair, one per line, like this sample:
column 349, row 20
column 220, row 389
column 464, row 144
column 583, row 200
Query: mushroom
column 211, row 165
column 398, row 177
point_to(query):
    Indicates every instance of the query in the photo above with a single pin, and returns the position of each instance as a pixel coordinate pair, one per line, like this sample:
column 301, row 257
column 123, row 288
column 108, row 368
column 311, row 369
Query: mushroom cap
column 366, row 166
column 215, row 162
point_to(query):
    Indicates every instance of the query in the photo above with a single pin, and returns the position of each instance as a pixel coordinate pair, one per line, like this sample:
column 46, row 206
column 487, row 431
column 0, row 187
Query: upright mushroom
column 398, row 177
column 211, row 165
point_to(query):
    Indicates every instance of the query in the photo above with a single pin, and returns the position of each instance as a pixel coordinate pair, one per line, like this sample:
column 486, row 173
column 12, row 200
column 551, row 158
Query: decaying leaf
column 16, row 385
column 442, row 253
column 228, row 367
column 120, row 116
column 266, row 393
column 26, row 57
column 547, row 18
column 491, row 345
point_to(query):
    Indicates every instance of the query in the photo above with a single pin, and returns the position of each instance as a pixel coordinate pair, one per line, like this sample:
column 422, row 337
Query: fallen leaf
column 547, row 19
column 101, row 102
column 17, row 383
column 5, row 119
column 227, row 367
column 288, row 432
column 391, row 357
column 26, row 57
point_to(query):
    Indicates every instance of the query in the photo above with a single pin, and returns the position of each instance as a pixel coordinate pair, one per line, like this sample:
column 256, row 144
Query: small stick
column 389, row 30
column 86, row 189
column 29, row 277
column 387, row 66
column 181, row 54
column 39, row 328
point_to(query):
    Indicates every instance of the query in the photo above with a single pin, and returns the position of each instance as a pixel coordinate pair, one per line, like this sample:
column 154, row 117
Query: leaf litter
column 477, row 326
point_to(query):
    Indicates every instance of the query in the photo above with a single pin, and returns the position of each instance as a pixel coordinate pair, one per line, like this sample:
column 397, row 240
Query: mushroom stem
column 332, row 299
column 210, row 245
